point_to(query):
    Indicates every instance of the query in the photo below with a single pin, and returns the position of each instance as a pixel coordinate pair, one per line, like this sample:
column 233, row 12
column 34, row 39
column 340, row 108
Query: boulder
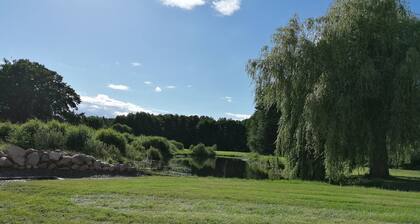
column 32, row 159
column 2, row 154
column 75, row 167
column 44, row 157
column 16, row 154
column 84, row 168
column 78, row 159
column 65, row 161
column 5, row 162
column 52, row 166
column 97, row 165
column 55, row 156
column 43, row 165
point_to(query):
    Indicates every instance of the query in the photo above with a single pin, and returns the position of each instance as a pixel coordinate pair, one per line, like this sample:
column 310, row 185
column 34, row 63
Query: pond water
column 218, row 167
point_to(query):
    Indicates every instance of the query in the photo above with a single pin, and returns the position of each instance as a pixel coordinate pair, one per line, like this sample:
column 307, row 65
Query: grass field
column 201, row 200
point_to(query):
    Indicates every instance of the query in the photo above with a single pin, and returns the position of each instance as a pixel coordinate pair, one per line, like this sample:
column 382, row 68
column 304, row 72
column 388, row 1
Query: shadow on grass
column 399, row 183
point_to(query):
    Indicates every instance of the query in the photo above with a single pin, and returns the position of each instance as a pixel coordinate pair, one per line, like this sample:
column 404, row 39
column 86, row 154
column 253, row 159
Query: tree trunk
column 378, row 156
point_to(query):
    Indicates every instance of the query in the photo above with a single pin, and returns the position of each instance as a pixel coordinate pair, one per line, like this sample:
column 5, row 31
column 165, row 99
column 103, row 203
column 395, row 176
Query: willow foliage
column 347, row 86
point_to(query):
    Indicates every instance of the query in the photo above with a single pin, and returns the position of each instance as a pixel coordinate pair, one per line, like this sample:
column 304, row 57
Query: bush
column 6, row 130
column 154, row 154
column 46, row 138
column 24, row 135
column 201, row 151
column 78, row 137
column 103, row 151
column 129, row 138
column 111, row 137
column 178, row 145
column 122, row 128
column 160, row 143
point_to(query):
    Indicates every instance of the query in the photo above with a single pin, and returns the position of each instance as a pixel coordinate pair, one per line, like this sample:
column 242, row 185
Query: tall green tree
column 29, row 90
column 262, row 130
column 347, row 85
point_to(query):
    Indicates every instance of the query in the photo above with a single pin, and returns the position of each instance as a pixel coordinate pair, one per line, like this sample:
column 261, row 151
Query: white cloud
column 135, row 64
column 227, row 99
column 238, row 117
column 170, row 87
column 158, row 89
column 189, row 86
column 118, row 87
column 183, row 4
column 104, row 105
column 148, row 83
column 226, row 7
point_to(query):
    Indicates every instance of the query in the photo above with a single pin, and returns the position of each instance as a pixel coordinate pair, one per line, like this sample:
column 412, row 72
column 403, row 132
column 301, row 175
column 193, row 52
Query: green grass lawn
column 201, row 200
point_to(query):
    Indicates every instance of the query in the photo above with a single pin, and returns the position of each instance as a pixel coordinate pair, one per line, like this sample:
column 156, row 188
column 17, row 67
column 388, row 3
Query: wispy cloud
column 238, row 117
column 158, row 89
column 183, row 4
column 226, row 7
column 136, row 64
column 104, row 105
column 189, row 86
column 227, row 99
column 118, row 87
column 148, row 83
column 170, row 87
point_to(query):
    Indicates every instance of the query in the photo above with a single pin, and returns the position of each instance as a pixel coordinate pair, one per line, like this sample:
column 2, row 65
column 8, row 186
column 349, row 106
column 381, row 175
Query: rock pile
column 15, row 157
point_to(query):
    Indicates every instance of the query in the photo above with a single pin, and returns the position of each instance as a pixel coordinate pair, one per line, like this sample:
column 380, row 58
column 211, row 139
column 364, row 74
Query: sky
column 159, row 56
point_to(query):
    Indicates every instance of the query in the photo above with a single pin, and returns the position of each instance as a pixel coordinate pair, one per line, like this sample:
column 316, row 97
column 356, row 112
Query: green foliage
column 346, row 85
column 78, row 137
column 29, row 90
column 227, row 134
column 46, row 138
column 154, row 154
column 203, row 152
column 24, row 135
column 6, row 130
column 122, row 128
column 111, row 137
column 262, row 130
column 178, row 145
column 160, row 143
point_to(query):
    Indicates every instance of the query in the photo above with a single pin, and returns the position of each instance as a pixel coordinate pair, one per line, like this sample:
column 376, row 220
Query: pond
column 219, row 167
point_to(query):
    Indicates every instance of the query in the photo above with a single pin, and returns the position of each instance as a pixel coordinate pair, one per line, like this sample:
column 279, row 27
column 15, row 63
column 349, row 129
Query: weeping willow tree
column 347, row 86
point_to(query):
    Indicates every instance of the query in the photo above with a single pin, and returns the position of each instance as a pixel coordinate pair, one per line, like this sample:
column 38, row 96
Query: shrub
column 46, row 138
column 201, row 151
column 103, row 151
column 122, row 128
column 178, row 145
column 154, row 154
column 6, row 130
column 57, row 126
column 160, row 143
column 77, row 138
column 111, row 137
column 23, row 136
column 129, row 137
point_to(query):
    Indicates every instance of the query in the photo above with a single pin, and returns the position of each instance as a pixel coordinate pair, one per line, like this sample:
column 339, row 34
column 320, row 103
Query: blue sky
column 160, row 56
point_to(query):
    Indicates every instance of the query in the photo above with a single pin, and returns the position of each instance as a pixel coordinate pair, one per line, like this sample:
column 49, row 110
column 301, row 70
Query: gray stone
column 79, row 159
column 43, row 165
column 2, row 154
column 44, row 157
column 75, row 167
column 65, row 161
column 32, row 159
column 52, row 166
column 5, row 162
column 55, row 156
column 16, row 154
column 84, row 168
column 97, row 165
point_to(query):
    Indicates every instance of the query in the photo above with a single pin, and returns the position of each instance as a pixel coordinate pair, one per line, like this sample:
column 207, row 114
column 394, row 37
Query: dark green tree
column 347, row 86
column 262, row 130
column 29, row 90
